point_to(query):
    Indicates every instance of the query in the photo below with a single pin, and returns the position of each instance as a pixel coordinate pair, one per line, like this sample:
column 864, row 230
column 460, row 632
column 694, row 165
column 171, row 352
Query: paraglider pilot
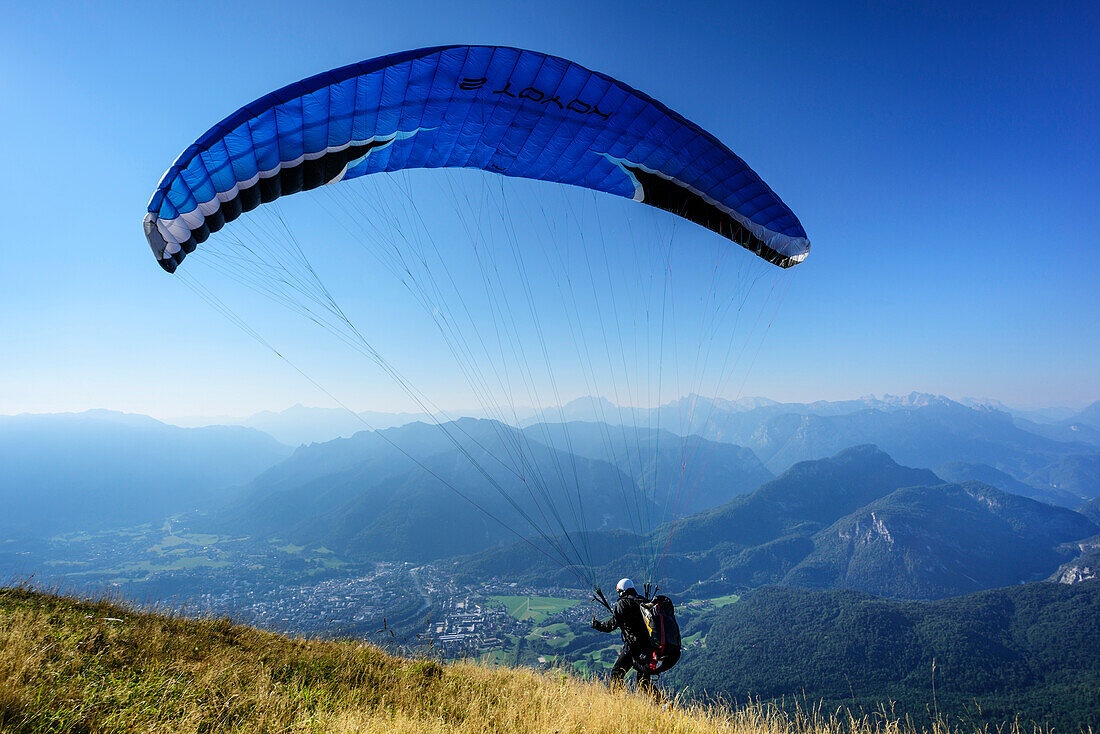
column 627, row 618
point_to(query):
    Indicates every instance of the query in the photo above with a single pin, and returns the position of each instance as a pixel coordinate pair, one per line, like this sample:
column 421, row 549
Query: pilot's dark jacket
column 627, row 618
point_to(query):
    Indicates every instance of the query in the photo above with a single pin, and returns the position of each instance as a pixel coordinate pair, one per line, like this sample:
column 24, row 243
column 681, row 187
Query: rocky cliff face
column 1075, row 573
column 1083, row 568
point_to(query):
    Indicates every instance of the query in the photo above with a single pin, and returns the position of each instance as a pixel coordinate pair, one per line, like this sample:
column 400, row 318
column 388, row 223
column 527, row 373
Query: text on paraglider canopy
column 534, row 95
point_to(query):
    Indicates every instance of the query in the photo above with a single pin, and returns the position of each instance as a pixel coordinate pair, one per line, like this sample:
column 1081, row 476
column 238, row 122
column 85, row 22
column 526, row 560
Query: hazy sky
column 943, row 158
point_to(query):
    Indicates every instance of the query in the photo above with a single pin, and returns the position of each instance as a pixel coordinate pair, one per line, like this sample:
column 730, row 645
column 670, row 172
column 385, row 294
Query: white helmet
column 623, row 585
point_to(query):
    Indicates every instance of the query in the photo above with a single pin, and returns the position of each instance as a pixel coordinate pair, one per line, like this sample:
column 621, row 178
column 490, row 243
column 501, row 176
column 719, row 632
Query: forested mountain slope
column 939, row 541
column 1030, row 651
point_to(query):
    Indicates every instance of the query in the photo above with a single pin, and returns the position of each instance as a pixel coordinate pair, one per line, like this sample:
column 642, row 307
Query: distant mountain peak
column 916, row 400
column 984, row 403
column 867, row 455
column 863, row 451
column 1089, row 416
column 588, row 400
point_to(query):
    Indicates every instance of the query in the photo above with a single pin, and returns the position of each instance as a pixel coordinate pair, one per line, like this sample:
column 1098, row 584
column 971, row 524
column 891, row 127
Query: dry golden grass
column 63, row 668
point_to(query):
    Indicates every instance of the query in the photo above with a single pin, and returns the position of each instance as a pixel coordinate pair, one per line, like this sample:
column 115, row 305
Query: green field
column 555, row 636
column 718, row 601
column 597, row 661
column 534, row 608
column 691, row 638
column 724, row 600
column 494, row 657
column 141, row 568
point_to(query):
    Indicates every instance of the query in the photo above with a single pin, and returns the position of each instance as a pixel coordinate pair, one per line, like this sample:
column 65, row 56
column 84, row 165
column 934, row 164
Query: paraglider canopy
column 503, row 110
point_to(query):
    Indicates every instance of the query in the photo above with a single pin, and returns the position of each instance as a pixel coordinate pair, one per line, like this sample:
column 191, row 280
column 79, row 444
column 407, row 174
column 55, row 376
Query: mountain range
column 859, row 521
column 427, row 492
column 1076, row 475
column 917, row 430
column 84, row 471
column 421, row 493
column 934, row 432
column 693, row 414
column 961, row 471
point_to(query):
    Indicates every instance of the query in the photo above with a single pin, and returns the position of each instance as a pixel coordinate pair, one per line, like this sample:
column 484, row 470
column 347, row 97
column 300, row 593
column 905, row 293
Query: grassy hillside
column 72, row 666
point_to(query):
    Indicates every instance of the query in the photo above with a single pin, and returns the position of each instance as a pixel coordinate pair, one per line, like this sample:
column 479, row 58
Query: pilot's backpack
column 664, row 634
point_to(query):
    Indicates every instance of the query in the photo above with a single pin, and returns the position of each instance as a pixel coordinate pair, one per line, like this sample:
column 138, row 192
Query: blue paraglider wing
column 503, row 110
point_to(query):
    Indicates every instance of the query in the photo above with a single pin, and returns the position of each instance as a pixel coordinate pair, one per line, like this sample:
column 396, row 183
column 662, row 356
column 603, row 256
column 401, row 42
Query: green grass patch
column 534, row 608
column 718, row 601
column 328, row 562
column 170, row 544
column 494, row 657
column 598, row 661
column 555, row 636
column 202, row 538
column 724, row 600
column 139, row 569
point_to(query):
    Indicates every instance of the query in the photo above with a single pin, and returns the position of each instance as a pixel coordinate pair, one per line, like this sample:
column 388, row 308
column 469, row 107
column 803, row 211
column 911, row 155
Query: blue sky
column 943, row 159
